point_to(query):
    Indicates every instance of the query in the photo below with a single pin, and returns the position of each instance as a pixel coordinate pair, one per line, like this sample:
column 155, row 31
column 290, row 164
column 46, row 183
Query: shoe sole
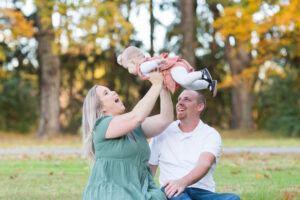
column 215, row 88
column 208, row 74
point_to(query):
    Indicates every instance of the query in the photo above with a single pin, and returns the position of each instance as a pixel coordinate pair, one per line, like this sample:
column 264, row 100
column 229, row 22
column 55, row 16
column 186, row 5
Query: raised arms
column 122, row 124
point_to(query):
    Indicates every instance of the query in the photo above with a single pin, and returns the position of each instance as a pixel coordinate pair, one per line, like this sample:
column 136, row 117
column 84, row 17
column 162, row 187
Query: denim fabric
column 200, row 194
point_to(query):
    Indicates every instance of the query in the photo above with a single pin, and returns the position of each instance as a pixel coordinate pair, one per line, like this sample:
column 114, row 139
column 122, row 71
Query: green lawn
column 252, row 176
column 230, row 138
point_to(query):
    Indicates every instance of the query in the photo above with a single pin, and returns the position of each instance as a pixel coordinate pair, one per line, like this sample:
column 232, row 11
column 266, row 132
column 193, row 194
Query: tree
column 249, row 42
column 50, row 71
column 188, row 8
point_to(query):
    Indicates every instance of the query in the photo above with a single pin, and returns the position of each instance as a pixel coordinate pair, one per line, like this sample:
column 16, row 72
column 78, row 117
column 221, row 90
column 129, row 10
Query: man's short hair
column 201, row 99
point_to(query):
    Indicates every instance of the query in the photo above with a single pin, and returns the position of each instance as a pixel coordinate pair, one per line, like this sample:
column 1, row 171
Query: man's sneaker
column 206, row 75
column 213, row 87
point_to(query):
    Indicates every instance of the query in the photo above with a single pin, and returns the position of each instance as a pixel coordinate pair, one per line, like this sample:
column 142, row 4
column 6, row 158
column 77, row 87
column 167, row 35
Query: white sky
column 141, row 24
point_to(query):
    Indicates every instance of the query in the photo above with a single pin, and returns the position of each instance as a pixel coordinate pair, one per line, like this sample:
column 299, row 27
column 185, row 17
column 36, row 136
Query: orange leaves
column 247, row 76
column 288, row 195
column 17, row 23
column 258, row 176
column 235, row 21
column 275, row 32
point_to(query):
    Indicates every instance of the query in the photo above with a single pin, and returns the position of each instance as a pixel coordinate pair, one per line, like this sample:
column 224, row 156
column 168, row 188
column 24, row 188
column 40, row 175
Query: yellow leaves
column 247, row 76
column 100, row 23
column 235, row 21
column 2, row 56
column 17, row 23
column 99, row 72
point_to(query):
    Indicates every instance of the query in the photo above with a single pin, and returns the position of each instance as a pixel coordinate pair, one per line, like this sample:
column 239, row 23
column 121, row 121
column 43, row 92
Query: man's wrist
column 184, row 182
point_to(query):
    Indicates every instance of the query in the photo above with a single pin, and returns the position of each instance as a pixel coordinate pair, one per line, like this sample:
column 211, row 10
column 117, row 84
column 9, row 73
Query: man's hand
column 174, row 187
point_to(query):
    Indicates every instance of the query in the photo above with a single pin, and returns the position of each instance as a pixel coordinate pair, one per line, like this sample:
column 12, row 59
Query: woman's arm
column 123, row 124
column 154, row 125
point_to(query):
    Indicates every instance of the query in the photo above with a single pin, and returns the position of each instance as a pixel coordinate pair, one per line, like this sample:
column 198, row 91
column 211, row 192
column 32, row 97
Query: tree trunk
column 187, row 8
column 241, row 92
column 50, row 80
column 151, row 28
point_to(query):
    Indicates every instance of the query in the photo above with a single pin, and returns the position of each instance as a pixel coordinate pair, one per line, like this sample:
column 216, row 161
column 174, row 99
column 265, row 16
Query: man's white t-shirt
column 177, row 152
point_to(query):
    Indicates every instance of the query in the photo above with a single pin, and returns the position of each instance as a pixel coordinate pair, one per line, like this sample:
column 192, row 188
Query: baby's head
column 130, row 58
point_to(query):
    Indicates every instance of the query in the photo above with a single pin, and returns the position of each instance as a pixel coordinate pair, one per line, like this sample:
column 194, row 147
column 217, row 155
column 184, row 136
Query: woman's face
column 111, row 104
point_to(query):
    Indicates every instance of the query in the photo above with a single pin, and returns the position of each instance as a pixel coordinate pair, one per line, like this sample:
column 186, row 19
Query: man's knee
column 233, row 197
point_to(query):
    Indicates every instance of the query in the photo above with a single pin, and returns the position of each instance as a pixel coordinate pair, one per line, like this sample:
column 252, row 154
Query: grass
column 28, row 141
column 251, row 176
column 236, row 138
column 239, row 138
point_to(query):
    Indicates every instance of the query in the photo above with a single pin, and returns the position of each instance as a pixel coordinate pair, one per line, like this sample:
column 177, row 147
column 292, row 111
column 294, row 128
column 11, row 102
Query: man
column 187, row 152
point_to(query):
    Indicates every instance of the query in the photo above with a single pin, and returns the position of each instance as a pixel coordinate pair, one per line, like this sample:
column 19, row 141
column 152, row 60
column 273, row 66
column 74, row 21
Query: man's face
column 187, row 106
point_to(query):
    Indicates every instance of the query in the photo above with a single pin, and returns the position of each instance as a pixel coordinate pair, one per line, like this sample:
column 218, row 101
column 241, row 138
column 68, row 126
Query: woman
column 116, row 142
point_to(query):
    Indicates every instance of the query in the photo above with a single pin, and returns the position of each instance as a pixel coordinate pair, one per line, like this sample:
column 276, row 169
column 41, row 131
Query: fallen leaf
column 266, row 176
column 25, row 156
column 226, row 187
column 13, row 176
column 288, row 195
column 257, row 176
column 236, row 172
column 51, row 173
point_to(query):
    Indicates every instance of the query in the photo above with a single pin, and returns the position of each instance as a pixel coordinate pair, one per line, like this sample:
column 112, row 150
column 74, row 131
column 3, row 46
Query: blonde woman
column 116, row 144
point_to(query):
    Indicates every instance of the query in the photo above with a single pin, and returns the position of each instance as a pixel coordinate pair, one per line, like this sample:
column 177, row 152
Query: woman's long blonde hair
column 91, row 111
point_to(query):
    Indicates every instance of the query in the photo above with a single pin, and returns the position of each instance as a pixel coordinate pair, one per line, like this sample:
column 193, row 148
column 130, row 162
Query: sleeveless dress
column 121, row 169
column 171, row 62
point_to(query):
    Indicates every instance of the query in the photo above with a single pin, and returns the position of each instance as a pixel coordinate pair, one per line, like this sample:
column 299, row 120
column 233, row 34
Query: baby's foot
column 213, row 87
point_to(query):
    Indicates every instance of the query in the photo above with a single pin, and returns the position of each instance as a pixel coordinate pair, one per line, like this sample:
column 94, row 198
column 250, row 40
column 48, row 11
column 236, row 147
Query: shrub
column 278, row 104
column 18, row 104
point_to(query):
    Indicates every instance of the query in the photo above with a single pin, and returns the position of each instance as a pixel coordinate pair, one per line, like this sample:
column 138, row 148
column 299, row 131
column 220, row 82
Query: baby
column 176, row 71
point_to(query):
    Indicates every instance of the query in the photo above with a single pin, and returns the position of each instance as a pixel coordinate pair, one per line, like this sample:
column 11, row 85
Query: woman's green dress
column 121, row 169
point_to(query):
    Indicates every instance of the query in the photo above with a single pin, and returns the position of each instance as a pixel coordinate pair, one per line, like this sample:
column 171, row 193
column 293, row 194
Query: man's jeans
column 200, row 194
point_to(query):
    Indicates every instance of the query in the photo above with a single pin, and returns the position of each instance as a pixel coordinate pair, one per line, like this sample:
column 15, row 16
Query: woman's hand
column 156, row 78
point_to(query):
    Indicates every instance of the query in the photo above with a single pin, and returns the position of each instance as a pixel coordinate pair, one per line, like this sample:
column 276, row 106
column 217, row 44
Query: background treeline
column 52, row 53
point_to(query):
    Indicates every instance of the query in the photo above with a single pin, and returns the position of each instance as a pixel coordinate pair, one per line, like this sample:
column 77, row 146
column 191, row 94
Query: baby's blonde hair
column 128, row 54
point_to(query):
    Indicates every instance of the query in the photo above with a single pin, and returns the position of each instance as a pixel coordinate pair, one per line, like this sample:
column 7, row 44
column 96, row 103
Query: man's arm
column 176, row 187
column 153, row 169
column 154, row 125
